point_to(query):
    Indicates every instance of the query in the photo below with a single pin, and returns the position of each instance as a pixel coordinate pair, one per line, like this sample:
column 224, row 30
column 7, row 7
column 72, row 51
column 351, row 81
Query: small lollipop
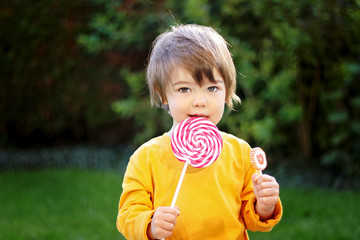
column 258, row 159
column 195, row 141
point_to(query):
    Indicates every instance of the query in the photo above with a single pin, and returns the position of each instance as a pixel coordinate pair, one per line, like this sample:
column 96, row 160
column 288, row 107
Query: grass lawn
column 316, row 214
column 59, row 204
column 82, row 204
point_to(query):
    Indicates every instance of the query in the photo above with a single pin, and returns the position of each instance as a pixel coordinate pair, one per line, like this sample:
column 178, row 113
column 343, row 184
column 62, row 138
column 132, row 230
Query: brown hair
column 197, row 49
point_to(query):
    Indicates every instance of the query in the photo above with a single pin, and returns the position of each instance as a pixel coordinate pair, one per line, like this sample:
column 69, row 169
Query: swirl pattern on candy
column 258, row 159
column 196, row 141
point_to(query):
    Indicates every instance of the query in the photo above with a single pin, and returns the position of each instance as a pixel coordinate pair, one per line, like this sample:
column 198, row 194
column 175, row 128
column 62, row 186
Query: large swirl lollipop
column 195, row 141
column 258, row 159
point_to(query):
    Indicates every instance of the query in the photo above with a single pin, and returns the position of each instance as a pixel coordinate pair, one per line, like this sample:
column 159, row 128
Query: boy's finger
column 177, row 210
column 170, row 218
column 172, row 210
column 255, row 178
column 168, row 226
column 264, row 185
column 267, row 178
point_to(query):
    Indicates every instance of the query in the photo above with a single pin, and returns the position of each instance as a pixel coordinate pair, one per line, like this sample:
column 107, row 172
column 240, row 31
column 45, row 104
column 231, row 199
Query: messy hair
column 195, row 48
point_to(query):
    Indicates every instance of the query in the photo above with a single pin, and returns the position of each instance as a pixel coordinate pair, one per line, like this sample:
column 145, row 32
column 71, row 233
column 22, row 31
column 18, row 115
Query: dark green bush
column 70, row 66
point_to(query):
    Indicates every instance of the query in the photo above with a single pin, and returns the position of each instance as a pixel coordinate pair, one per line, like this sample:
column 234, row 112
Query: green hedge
column 71, row 66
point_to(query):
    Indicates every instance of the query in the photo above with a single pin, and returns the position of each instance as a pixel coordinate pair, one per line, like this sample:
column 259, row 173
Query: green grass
column 317, row 214
column 59, row 204
column 82, row 204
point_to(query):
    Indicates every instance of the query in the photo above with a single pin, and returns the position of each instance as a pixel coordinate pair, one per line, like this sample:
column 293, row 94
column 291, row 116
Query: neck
column 169, row 133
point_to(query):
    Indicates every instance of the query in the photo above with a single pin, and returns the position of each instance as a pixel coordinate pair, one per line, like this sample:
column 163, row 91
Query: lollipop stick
column 179, row 184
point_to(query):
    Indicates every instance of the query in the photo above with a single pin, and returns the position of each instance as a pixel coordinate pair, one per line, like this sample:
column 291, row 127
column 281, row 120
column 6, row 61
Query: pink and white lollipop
column 258, row 159
column 195, row 141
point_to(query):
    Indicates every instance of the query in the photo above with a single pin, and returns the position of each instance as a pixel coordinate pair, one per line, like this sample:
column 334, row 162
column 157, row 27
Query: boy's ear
column 157, row 93
column 163, row 101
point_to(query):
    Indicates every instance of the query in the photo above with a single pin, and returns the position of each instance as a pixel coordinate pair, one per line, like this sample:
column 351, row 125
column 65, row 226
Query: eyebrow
column 220, row 81
column 181, row 82
column 188, row 82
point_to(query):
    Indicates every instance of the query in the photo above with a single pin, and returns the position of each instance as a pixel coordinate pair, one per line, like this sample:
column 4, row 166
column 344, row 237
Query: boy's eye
column 184, row 90
column 212, row 89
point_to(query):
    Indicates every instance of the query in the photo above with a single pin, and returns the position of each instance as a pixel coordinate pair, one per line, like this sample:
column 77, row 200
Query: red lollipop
column 258, row 159
column 195, row 141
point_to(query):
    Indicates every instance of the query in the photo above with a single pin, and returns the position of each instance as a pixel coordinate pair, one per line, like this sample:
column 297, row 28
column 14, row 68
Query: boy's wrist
column 264, row 212
column 149, row 232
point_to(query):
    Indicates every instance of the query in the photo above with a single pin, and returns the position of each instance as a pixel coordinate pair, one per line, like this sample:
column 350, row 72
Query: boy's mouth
column 198, row 115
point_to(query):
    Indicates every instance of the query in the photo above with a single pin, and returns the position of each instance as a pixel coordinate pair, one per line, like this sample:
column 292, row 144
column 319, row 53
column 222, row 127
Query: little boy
column 191, row 74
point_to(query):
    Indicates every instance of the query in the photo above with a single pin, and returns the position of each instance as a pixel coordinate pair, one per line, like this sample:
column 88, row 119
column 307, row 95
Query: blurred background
column 74, row 102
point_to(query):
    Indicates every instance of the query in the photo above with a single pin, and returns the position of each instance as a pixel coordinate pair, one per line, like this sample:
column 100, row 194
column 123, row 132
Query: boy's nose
column 199, row 101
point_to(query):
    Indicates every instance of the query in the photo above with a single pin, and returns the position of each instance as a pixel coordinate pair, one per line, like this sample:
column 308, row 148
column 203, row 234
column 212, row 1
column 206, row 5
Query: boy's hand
column 163, row 222
column 266, row 190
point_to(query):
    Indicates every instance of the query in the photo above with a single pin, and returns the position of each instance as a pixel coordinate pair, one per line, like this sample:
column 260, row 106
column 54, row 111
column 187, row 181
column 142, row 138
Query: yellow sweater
column 216, row 202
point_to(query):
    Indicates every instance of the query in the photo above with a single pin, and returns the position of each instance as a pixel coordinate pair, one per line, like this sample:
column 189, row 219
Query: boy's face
column 186, row 98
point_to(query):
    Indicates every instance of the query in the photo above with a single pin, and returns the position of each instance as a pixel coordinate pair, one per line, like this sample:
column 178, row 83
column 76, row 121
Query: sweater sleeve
column 253, row 221
column 135, row 206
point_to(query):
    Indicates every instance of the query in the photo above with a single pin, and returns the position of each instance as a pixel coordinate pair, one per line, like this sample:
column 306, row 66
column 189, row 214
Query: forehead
column 199, row 76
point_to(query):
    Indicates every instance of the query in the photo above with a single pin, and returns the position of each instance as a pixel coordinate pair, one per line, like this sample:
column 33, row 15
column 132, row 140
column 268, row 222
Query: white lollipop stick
column 179, row 184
